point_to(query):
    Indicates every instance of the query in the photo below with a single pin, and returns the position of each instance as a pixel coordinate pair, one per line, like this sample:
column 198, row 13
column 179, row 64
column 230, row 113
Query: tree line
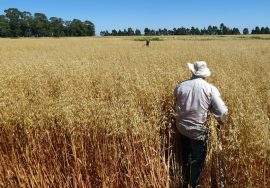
column 16, row 23
column 210, row 30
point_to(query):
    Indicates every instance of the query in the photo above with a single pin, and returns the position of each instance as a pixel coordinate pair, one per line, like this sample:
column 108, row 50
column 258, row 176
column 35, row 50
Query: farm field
column 98, row 112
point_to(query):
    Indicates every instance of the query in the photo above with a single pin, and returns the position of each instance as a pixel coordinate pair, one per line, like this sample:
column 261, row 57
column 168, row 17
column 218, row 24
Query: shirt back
column 194, row 98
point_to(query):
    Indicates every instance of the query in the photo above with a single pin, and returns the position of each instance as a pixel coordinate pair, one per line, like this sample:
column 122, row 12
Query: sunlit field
column 98, row 112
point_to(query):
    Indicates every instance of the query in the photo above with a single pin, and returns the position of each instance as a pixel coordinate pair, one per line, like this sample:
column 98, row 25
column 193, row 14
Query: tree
column 26, row 24
column 215, row 30
column 235, row 31
column 77, row 28
column 223, row 29
column 204, row 31
column 262, row 30
column 245, row 31
column 105, row 33
column 256, row 30
column 102, row 33
column 125, row 32
column 14, row 19
column 67, row 31
column 170, row 32
column 138, row 32
column 4, row 26
column 165, row 31
column 267, row 31
column 41, row 25
column 152, row 32
column 56, row 27
column 192, row 31
column 130, row 32
column 16, row 24
column 210, row 30
column 120, row 33
column 183, row 31
column 89, row 28
column 197, row 31
column 146, row 31
column 175, row 31
column 114, row 32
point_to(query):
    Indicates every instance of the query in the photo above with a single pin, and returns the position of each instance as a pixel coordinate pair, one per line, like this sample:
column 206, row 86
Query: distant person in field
column 193, row 99
column 147, row 43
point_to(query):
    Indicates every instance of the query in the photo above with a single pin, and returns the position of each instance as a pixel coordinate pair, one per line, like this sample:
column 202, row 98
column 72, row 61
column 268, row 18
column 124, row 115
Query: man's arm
column 175, row 95
column 218, row 107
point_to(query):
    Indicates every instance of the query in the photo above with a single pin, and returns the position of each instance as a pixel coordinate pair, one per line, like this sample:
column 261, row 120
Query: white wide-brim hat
column 199, row 68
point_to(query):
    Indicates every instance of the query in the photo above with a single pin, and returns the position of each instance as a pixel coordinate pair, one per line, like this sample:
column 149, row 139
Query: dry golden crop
column 98, row 112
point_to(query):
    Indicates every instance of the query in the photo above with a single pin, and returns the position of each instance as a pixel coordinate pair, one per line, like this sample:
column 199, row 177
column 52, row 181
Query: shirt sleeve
column 218, row 107
column 175, row 92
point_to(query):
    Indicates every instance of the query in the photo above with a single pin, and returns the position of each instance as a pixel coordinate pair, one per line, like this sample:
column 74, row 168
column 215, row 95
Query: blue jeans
column 193, row 157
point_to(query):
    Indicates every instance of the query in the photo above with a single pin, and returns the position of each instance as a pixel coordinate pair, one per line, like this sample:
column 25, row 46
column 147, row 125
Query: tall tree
column 138, row 32
column 262, row 30
column 183, row 31
column 56, row 27
column 235, row 31
column 14, row 18
column 16, row 24
column 67, row 31
column 77, row 28
column 245, row 31
column 210, row 30
column 170, row 32
column 152, row 32
column 165, row 31
column 89, row 28
column 267, row 31
column 120, row 33
column 256, row 30
column 105, row 33
column 130, row 32
column 26, row 24
column 4, row 26
column 146, row 31
column 215, row 30
column 102, row 33
column 125, row 32
column 204, row 31
column 41, row 25
column 114, row 32
column 223, row 29
column 192, row 31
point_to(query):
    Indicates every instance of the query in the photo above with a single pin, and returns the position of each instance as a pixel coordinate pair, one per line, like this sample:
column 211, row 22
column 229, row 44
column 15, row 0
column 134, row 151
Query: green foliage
column 210, row 30
column 245, row 31
column 56, row 27
column 41, row 25
column 13, row 16
column 22, row 24
column 259, row 38
column 4, row 26
column 126, row 32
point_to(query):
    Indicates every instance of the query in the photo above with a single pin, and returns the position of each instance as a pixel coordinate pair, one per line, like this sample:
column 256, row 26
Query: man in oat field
column 193, row 99
column 147, row 43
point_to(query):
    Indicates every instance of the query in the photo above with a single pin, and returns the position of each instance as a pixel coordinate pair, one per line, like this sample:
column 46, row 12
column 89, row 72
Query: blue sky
column 109, row 14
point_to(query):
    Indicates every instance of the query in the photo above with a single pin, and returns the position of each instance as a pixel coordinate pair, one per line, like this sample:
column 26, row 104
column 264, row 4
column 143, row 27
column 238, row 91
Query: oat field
column 98, row 112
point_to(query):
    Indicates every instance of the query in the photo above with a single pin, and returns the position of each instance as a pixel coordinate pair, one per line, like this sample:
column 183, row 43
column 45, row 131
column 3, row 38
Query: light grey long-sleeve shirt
column 194, row 98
